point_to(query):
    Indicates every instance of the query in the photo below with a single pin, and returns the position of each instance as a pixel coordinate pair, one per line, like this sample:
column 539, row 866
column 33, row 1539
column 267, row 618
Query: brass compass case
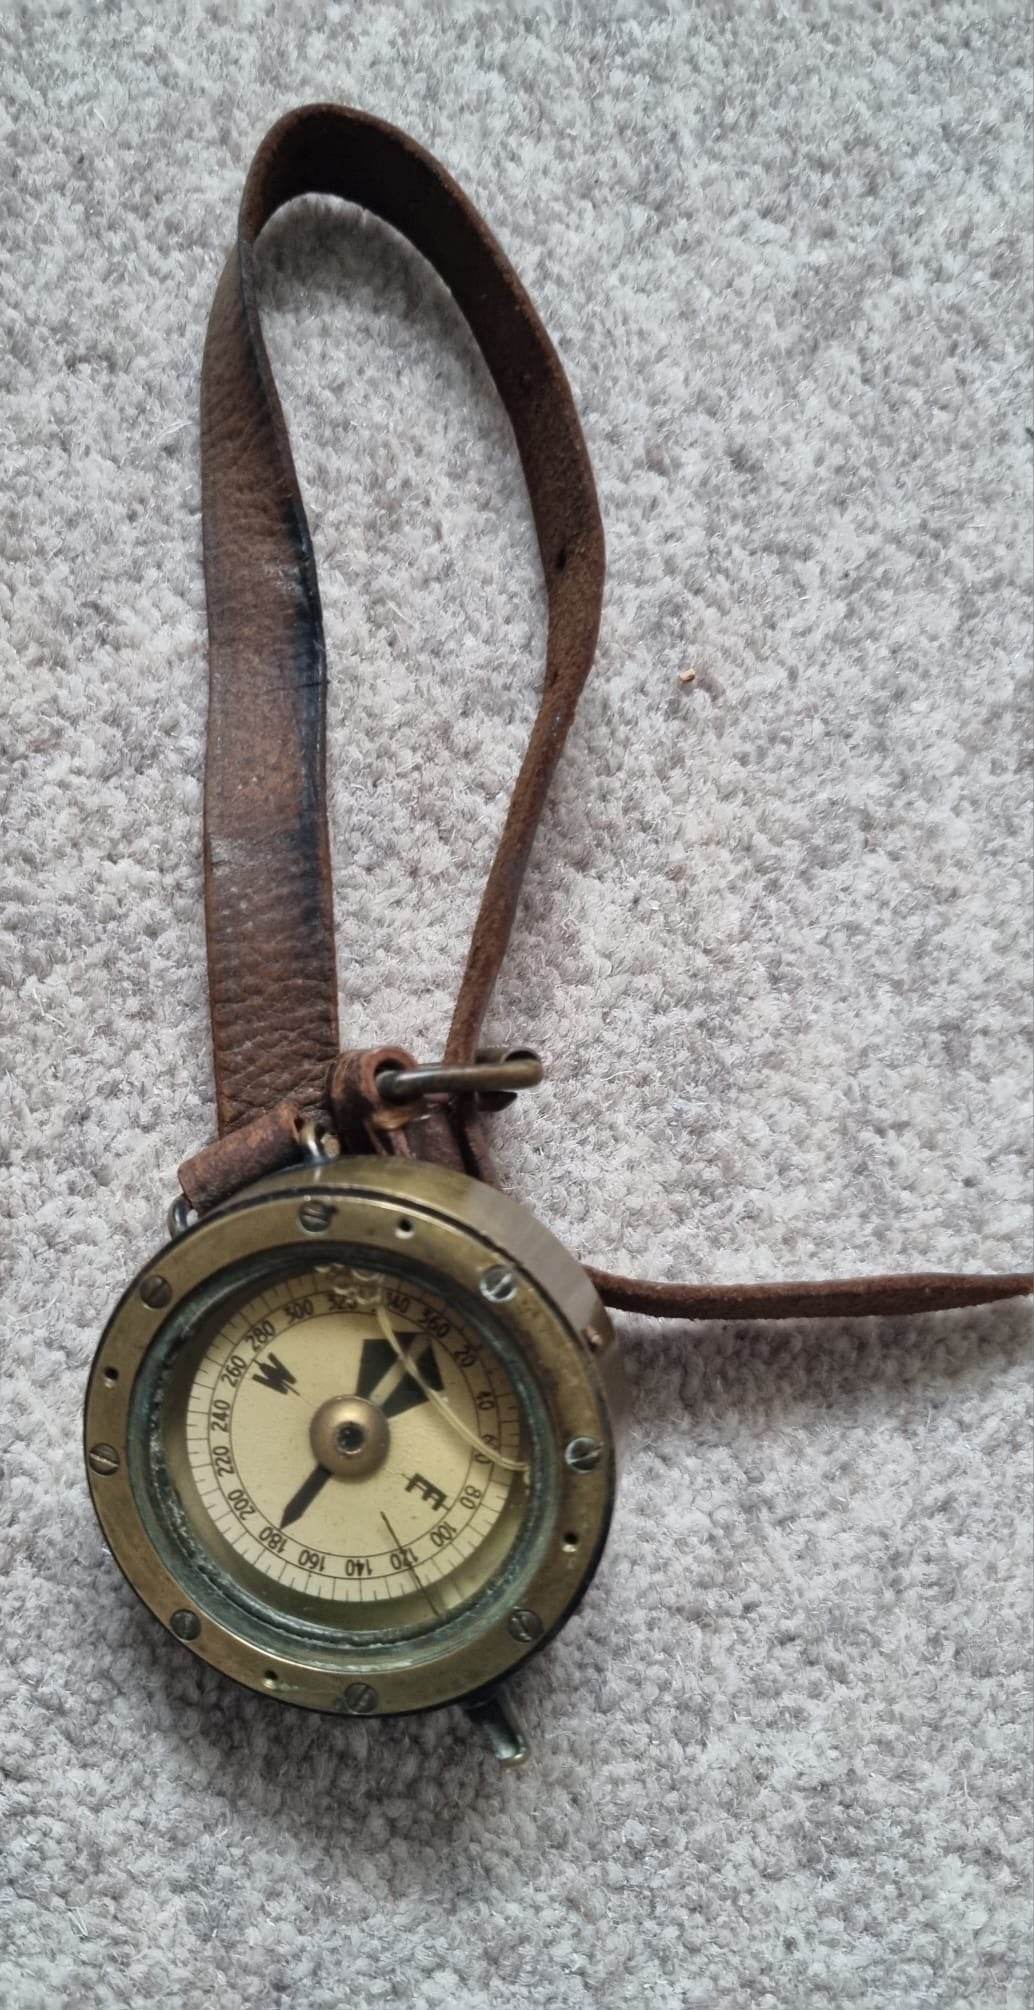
column 352, row 1438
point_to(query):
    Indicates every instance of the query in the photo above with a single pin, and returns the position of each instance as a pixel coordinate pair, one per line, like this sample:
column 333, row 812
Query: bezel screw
column 525, row 1626
column 314, row 1216
column 104, row 1459
column 359, row 1699
column 583, row 1455
column 499, row 1284
column 185, row 1624
column 156, row 1291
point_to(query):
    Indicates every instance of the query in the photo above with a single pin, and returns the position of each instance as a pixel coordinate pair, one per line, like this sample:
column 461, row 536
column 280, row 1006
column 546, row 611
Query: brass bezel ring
column 465, row 1233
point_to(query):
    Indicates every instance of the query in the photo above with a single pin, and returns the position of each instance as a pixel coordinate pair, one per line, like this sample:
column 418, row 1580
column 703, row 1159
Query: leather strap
column 268, row 903
column 269, row 916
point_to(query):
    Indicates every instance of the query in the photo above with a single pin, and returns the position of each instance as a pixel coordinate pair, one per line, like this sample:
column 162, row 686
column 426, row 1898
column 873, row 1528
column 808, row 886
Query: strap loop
column 268, row 904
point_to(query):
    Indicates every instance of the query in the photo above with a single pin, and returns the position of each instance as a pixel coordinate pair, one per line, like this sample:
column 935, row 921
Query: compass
column 352, row 1438
column 351, row 1433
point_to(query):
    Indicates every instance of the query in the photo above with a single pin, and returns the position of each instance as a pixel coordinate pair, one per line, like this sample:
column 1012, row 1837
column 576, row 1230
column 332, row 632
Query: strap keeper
column 244, row 1154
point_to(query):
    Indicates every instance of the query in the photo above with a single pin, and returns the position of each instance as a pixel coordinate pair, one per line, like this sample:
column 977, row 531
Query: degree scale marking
column 299, row 1295
column 459, row 1548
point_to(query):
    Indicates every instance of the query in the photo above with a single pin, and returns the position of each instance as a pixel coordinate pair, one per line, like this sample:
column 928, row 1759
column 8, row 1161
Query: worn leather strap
column 271, row 963
column 269, row 914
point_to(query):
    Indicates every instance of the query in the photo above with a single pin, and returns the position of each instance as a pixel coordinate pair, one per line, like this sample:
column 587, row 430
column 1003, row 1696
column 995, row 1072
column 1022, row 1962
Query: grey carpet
column 775, row 944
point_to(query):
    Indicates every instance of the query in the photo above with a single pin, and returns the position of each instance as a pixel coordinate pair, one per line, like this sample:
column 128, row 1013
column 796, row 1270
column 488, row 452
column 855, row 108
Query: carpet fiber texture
column 775, row 945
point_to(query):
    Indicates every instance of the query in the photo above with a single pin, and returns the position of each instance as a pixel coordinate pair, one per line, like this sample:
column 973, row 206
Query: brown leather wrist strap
column 268, row 904
column 272, row 972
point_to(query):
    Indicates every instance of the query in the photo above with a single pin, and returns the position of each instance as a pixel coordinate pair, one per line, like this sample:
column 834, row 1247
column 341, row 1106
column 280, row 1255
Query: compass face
column 351, row 1437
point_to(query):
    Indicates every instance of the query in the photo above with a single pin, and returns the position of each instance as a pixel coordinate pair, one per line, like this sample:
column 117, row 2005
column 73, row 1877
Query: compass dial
column 351, row 1439
column 351, row 1436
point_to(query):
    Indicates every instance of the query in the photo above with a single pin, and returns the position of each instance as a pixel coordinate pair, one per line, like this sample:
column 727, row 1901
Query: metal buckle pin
column 496, row 1072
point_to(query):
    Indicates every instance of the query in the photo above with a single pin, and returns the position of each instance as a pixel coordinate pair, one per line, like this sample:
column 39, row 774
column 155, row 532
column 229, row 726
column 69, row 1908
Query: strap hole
column 561, row 558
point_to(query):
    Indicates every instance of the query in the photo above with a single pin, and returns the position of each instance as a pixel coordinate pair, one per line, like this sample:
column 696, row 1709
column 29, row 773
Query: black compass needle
column 305, row 1496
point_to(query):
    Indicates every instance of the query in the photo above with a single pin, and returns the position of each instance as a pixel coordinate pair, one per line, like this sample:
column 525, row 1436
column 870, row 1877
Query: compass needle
column 441, row 1403
column 309, row 1491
